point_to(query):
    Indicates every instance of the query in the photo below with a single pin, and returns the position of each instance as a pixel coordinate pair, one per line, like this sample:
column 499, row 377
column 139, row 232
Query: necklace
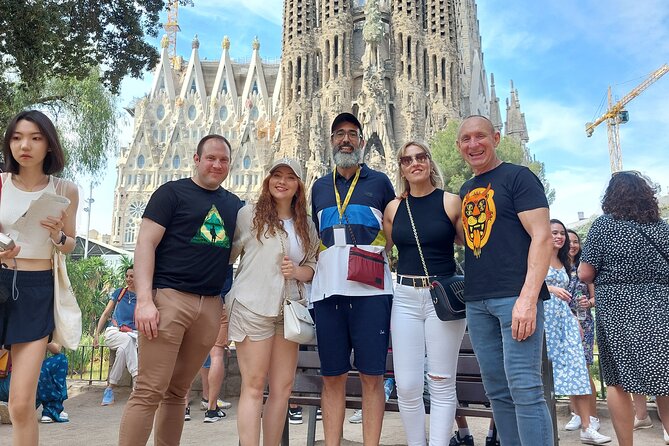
column 25, row 187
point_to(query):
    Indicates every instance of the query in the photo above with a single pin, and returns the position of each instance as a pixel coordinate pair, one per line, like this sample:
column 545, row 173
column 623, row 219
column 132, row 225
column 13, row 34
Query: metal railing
column 89, row 363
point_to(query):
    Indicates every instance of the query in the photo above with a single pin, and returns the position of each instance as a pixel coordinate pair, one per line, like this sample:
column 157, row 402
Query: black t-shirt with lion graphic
column 199, row 225
column 496, row 244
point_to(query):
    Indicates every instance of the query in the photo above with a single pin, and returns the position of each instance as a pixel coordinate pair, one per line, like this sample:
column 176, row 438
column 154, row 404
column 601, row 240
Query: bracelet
column 61, row 242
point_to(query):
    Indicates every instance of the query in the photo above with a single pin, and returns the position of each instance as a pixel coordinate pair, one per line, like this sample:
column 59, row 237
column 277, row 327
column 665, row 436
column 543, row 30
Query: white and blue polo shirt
column 363, row 216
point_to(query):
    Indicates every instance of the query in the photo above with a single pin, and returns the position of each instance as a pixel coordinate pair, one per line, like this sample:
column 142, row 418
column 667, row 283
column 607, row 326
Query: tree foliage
column 456, row 171
column 43, row 39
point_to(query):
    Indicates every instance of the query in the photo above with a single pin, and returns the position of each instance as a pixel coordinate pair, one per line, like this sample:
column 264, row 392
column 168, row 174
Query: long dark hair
column 563, row 253
column 55, row 157
column 577, row 257
column 631, row 197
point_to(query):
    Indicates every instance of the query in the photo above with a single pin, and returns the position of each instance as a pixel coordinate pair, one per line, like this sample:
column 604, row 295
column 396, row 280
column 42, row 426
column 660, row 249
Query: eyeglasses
column 352, row 134
column 420, row 158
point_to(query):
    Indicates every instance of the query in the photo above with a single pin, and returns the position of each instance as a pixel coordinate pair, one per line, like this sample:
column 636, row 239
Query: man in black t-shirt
column 508, row 246
column 182, row 252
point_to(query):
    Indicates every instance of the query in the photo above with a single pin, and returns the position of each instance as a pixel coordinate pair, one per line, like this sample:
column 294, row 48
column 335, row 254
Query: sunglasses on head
column 420, row 158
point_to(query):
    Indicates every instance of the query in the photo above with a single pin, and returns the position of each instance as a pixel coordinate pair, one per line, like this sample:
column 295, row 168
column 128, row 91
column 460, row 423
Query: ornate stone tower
column 403, row 67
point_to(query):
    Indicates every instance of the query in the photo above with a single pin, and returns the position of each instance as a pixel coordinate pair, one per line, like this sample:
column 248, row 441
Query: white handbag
column 297, row 323
column 66, row 311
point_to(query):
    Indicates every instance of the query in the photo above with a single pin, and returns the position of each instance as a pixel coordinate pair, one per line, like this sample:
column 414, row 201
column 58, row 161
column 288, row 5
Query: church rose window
column 137, row 209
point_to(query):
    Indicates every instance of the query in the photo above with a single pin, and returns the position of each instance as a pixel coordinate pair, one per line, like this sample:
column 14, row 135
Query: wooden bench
column 469, row 386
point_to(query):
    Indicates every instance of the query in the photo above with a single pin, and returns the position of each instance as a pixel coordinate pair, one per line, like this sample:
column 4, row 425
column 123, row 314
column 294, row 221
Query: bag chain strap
column 415, row 234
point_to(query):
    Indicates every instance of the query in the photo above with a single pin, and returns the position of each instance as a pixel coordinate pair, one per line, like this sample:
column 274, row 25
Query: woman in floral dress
column 563, row 338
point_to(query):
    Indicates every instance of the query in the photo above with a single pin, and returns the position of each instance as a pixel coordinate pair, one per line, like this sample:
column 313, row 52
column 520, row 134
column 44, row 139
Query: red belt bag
column 366, row 267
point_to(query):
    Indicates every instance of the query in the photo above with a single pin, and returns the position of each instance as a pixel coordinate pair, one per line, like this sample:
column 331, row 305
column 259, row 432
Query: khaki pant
column 188, row 327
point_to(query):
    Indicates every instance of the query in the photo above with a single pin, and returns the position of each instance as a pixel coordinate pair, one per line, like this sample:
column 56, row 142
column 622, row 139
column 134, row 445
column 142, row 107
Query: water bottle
column 388, row 385
column 581, row 312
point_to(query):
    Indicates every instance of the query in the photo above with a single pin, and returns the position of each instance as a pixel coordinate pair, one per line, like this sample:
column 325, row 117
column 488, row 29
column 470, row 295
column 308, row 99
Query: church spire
column 495, row 114
column 515, row 125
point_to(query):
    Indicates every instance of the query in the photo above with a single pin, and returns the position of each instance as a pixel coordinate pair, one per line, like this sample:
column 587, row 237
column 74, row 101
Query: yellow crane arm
column 616, row 108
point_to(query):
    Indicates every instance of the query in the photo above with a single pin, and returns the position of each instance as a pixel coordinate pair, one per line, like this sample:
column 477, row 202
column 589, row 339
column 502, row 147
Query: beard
column 346, row 160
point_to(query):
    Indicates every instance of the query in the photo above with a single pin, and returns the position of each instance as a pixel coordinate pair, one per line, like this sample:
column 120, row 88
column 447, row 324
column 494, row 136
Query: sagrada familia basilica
column 404, row 67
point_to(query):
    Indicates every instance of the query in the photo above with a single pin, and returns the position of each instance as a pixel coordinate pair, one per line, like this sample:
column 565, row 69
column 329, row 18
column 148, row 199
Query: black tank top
column 435, row 232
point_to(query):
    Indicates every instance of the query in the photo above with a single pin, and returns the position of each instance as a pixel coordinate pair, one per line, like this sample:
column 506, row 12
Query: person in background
column 563, row 339
column 424, row 211
column 626, row 256
column 120, row 335
column 278, row 245
column 581, row 303
column 33, row 155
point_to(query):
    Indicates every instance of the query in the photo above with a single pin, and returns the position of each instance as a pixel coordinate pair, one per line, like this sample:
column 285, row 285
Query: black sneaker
column 295, row 415
column 212, row 416
column 319, row 414
column 490, row 442
column 187, row 415
column 457, row 440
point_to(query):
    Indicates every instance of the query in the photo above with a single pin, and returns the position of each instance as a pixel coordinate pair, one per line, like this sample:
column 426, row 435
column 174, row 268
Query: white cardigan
column 259, row 283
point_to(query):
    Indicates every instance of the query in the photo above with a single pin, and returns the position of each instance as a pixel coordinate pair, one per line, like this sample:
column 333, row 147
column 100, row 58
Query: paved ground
column 92, row 424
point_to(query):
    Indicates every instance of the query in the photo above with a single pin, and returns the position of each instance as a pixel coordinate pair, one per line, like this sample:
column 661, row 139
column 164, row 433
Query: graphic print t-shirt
column 496, row 244
column 199, row 225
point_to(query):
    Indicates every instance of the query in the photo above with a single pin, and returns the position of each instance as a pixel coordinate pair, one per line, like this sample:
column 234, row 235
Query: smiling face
column 28, row 145
column 477, row 141
column 415, row 165
column 213, row 165
column 574, row 245
column 283, row 183
column 346, row 148
column 559, row 235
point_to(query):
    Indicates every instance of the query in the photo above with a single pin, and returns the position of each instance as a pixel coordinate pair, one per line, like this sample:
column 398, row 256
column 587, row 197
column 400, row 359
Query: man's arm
column 524, row 317
column 146, row 313
column 586, row 272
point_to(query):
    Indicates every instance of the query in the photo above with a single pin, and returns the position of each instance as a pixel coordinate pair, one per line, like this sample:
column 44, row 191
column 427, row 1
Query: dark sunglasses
column 420, row 158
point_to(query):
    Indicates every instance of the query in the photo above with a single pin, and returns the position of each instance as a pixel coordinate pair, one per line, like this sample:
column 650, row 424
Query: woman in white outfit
column 416, row 330
column 278, row 243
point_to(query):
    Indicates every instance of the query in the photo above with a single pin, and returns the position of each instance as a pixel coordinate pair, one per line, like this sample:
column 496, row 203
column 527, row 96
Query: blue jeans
column 517, row 398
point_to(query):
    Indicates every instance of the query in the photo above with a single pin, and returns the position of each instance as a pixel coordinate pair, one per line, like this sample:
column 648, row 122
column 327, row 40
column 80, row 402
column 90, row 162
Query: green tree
column 456, row 171
column 92, row 280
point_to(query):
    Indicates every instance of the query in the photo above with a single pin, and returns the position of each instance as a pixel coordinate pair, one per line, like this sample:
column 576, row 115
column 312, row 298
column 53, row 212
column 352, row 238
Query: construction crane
column 616, row 115
column 172, row 28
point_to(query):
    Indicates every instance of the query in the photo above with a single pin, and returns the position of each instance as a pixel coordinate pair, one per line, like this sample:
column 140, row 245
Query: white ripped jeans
column 416, row 330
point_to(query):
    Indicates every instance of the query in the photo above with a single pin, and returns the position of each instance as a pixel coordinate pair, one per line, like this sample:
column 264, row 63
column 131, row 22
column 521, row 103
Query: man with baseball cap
column 347, row 208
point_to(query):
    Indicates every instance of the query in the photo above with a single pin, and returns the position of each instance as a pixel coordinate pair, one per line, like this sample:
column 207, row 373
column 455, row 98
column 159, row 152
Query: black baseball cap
column 345, row 117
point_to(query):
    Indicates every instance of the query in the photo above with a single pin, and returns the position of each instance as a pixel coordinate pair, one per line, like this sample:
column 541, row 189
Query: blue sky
column 561, row 55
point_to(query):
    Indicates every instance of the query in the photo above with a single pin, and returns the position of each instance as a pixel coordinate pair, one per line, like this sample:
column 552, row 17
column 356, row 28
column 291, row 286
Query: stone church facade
column 404, row 67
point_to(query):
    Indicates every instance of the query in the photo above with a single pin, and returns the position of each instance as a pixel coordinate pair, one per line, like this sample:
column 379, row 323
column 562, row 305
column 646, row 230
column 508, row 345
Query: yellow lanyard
column 342, row 207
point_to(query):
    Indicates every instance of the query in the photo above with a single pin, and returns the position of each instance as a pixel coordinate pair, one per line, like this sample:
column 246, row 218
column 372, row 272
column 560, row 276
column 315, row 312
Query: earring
column 49, row 149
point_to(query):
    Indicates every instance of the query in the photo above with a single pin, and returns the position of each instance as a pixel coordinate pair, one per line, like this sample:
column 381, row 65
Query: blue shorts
column 29, row 317
column 358, row 323
column 207, row 362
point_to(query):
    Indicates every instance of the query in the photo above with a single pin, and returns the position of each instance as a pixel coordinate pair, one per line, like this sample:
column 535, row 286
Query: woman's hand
column 288, row 268
column 54, row 225
column 560, row 293
column 10, row 253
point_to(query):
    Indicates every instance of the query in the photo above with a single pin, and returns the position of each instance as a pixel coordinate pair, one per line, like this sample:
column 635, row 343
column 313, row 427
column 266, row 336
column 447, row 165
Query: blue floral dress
column 588, row 324
column 563, row 341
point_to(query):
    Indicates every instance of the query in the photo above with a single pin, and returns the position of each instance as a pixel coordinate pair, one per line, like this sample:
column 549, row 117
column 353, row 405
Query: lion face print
column 478, row 217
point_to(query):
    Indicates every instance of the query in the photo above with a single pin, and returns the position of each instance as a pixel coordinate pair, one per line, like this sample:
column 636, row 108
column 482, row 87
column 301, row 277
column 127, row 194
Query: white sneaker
column 591, row 436
column 646, row 423
column 356, row 418
column 594, row 423
column 64, row 416
column 666, row 438
column 45, row 419
column 574, row 423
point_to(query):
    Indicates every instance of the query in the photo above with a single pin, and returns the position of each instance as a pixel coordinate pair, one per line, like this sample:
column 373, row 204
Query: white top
column 295, row 249
column 14, row 202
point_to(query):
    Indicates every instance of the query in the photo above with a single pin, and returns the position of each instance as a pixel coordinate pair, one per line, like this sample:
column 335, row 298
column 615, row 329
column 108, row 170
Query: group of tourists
column 525, row 275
